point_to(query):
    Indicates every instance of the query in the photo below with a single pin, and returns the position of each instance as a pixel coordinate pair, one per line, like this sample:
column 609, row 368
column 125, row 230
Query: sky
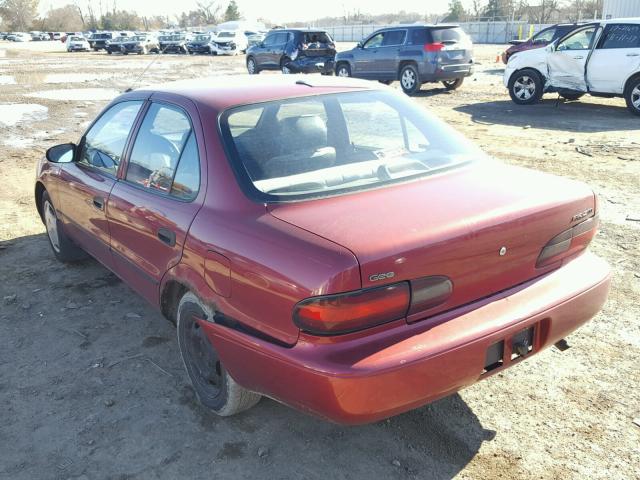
column 279, row 11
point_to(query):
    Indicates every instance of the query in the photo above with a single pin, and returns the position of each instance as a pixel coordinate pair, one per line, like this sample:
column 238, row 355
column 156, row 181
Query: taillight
column 348, row 312
column 428, row 292
column 568, row 242
column 433, row 47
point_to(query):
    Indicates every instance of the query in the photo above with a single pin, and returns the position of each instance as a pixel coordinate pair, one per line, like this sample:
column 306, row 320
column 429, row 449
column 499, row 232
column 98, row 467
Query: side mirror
column 61, row 153
column 359, row 45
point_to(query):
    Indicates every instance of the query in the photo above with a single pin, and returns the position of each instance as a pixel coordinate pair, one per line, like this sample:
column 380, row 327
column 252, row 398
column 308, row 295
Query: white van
column 600, row 58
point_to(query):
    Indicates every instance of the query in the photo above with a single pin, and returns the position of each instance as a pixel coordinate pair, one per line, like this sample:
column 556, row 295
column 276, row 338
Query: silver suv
column 412, row 54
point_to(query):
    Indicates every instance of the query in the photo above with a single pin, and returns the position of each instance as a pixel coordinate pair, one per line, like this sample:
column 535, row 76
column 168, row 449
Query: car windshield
column 77, row 39
column 201, row 38
column 328, row 144
column 139, row 38
column 226, row 34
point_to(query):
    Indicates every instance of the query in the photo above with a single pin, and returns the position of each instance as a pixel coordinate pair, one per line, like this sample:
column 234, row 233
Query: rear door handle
column 167, row 236
column 578, row 58
column 633, row 54
column 98, row 202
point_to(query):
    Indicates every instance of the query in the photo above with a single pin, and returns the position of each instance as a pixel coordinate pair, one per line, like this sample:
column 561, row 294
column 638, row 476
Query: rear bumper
column 363, row 378
column 312, row 65
column 446, row 72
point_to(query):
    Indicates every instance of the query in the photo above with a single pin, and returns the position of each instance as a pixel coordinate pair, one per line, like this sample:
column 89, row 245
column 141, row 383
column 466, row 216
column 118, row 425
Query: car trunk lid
column 451, row 224
column 457, row 47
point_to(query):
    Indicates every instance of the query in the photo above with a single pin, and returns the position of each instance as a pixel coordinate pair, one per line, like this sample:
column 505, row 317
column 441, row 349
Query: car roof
column 621, row 20
column 301, row 29
column 223, row 92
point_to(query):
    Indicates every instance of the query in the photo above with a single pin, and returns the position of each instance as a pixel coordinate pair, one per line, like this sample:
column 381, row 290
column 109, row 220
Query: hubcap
column 343, row 72
column 203, row 358
column 524, row 87
column 635, row 97
column 408, row 79
column 251, row 66
column 286, row 70
column 51, row 222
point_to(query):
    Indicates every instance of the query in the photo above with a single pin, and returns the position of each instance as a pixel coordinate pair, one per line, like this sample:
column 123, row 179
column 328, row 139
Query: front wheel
column 215, row 388
column 63, row 247
column 525, row 87
column 409, row 79
column 252, row 66
column 343, row 70
column 632, row 95
column 453, row 84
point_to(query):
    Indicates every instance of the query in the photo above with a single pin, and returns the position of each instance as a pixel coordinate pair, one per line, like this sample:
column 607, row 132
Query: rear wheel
column 632, row 95
column 283, row 66
column 525, row 87
column 343, row 70
column 63, row 247
column 212, row 383
column 453, row 84
column 409, row 79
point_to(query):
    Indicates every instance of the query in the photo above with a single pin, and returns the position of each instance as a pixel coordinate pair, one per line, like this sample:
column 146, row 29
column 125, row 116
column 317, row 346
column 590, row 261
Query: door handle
column 98, row 202
column 578, row 57
column 633, row 54
column 167, row 236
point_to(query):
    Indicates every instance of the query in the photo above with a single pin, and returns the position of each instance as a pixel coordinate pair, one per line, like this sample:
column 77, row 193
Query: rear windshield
column 316, row 37
column 448, row 35
column 330, row 144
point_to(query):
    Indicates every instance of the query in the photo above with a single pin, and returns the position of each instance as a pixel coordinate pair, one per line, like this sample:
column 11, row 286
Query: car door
column 388, row 55
column 615, row 59
column 157, row 196
column 263, row 52
column 87, row 182
column 365, row 59
column 566, row 62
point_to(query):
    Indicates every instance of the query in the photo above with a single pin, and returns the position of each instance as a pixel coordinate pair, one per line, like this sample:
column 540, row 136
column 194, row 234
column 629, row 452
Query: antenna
column 137, row 80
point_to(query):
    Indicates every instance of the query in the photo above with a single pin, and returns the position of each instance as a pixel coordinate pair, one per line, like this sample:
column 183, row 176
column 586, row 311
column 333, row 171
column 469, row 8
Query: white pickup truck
column 600, row 58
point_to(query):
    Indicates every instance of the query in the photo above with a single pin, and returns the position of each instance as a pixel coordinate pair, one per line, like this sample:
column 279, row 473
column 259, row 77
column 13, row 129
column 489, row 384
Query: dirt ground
column 91, row 385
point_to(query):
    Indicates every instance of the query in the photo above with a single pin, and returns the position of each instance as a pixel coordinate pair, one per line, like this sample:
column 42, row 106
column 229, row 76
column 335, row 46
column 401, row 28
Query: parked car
column 293, row 51
column 600, row 58
column 228, row 42
column 115, row 45
column 38, row 36
column 329, row 234
column 173, row 43
column 140, row 44
column 541, row 39
column 98, row 40
column 199, row 43
column 21, row 37
column 75, row 43
column 255, row 38
column 412, row 54
column 57, row 35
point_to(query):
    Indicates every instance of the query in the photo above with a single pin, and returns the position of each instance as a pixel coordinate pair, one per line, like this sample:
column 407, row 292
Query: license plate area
column 510, row 350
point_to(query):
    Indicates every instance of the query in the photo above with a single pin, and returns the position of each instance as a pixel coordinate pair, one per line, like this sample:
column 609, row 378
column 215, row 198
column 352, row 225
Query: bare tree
column 209, row 12
column 19, row 14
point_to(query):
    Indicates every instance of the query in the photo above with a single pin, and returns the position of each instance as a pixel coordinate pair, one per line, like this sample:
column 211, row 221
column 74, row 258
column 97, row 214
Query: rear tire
column 453, row 84
column 632, row 95
column 215, row 388
column 283, row 66
column 63, row 247
column 525, row 87
column 343, row 70
column 410, row 79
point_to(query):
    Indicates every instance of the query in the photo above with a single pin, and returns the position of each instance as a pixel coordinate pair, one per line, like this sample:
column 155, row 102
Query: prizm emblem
column 581, row 215
column 381, row 276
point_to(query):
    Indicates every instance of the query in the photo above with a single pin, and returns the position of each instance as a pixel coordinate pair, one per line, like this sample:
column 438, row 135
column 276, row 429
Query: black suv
column 98, row 41
column 293, row 51
column 412, row 54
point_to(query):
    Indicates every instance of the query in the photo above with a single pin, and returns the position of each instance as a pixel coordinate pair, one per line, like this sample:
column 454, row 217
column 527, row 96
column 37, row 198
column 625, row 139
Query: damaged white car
column 600, row 58
column 231, row 42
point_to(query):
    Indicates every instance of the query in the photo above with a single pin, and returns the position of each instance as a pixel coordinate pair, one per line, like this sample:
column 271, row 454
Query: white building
column 620, row 8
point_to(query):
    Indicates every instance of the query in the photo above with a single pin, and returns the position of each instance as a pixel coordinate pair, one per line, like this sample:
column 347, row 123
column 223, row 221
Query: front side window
column 103, row 145
column 578, row 41
column 327, row 144
column 164, row 142
column 270, row 39
column 375, row 41
column 620, row 36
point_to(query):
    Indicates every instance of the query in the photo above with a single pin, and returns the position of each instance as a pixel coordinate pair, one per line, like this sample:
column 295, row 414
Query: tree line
column 22, row 15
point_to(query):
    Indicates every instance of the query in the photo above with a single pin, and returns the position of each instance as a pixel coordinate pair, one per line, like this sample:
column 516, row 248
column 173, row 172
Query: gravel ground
column 90, row 379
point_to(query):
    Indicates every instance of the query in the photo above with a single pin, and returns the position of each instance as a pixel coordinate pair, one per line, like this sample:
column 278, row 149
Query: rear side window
column 419, row 36
column 165, row 147
column 394, row 37
column 620, row 36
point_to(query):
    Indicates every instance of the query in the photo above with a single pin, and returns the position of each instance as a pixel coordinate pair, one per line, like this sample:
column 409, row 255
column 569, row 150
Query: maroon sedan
column 325, row 242
column 541, row 39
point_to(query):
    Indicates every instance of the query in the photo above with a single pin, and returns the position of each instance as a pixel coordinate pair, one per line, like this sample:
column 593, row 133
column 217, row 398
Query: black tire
column 632, row 95
column 283, row 66
column 343, row 70
column 410, row 79
column 453, row 84
column 109, row 52
column 215, row 388
column 572, row 96
column 525, row 87
column 63, row 247
column 252, row 70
